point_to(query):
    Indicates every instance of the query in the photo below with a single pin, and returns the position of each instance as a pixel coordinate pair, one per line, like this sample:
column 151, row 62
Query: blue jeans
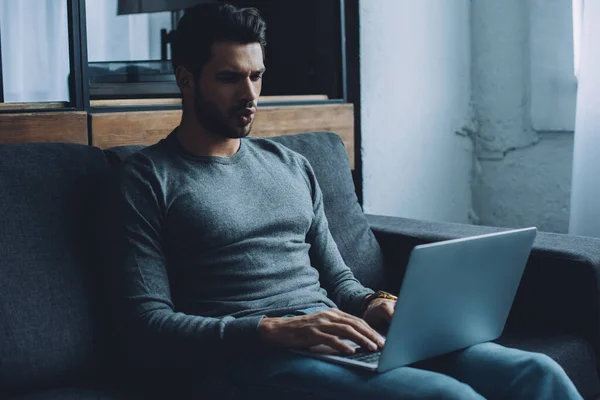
column 483, row 371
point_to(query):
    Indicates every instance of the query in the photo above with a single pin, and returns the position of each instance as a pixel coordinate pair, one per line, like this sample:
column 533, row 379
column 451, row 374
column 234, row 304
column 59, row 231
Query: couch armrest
column 560, row 289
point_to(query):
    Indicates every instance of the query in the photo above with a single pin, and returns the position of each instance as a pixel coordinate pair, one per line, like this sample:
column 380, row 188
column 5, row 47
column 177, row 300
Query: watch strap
column 380, row 294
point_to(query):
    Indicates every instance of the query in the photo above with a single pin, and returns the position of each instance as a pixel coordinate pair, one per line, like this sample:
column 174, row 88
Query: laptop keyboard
column 365, row 356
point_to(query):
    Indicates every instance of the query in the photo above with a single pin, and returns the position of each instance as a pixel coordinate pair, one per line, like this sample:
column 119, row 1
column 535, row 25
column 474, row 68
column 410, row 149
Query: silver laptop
column 455, row 294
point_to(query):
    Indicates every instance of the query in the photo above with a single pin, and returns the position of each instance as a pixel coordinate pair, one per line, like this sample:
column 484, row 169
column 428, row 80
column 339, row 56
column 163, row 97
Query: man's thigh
column 290, row 376
column 496, row 371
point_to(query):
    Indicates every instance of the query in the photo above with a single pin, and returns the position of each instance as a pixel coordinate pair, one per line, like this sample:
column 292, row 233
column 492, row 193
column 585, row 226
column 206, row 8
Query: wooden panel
column 33, row 106
column 147, row 102
column 133, row 127
column 338, row 118
column 148, row 127
column 292, row 98
column 133, row 102
column 67, row 126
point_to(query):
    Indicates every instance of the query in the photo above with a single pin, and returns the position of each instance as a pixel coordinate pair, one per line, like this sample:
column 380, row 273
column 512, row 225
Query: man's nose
column 249, row 90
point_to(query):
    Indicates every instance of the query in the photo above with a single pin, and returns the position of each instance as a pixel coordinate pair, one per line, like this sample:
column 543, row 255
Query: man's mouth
column 246, row 115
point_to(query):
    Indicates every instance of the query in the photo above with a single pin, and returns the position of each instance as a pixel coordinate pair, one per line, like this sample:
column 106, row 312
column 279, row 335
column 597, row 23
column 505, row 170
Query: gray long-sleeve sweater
column 210, row 245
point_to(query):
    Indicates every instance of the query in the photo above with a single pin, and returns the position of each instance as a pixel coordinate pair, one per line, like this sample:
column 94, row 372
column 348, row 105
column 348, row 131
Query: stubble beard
column 212, row 119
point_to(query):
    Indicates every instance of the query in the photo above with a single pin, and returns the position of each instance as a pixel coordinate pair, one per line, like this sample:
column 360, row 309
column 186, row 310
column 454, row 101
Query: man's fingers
column 334, row 342
column 360, row 325
column 347, row 331
column 361, row 329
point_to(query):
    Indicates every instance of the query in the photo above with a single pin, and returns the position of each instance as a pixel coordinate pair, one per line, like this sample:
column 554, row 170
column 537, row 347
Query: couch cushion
column 47, row 331
column 348, row 225
column 573, row 353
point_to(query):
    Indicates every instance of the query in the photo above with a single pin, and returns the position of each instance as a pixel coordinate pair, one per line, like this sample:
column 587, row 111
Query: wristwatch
column 380, row 294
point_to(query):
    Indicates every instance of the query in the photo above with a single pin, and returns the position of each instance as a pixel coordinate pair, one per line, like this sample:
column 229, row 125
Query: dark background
column 303, row 54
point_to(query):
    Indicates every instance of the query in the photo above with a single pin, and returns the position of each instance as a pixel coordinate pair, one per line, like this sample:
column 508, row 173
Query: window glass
column 35, row 50
column 124, row 53
column 304, row 56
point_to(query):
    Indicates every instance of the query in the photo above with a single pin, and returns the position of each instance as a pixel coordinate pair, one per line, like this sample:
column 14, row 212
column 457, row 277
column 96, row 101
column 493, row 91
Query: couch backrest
column 348, row 225
column 48, row 334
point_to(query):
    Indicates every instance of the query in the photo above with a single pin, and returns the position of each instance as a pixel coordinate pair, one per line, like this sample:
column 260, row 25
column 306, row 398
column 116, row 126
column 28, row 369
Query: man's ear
column 184, row 78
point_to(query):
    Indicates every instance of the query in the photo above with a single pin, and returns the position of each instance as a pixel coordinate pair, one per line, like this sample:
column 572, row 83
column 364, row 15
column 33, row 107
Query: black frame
column 343, row 47
column 351, row 74
column 1, row 80
column 79, row 92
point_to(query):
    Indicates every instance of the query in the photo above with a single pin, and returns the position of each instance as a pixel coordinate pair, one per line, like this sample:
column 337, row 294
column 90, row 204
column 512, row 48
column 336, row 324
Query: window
column 73, row 53
column 304, row 51
column 35, row 51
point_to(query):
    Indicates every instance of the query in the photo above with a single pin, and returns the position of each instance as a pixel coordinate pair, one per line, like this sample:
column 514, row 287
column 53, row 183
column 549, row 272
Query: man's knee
column 550, row 376
column 545, row 377
column 543, row 367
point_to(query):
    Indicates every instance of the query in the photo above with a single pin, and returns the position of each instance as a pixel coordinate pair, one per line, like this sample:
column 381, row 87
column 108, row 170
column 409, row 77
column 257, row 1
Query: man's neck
column 198, row 141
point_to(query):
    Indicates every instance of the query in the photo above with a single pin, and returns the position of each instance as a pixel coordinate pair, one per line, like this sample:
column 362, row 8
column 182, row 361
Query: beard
column 215, row 121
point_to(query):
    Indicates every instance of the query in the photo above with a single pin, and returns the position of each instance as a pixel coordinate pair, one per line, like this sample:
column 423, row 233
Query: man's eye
column 256, row 77
column 228, row 78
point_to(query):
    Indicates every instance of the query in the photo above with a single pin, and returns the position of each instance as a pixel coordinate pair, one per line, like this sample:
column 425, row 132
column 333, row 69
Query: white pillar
column 585, row 192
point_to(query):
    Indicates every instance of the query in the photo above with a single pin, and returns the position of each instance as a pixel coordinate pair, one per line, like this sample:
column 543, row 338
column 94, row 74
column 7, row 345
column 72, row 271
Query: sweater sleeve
column 157, row 332
column 335, row 276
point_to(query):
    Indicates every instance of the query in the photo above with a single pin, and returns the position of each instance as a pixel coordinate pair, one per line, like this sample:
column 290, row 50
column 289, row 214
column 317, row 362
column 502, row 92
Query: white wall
column 422, row 64
column 415, row 90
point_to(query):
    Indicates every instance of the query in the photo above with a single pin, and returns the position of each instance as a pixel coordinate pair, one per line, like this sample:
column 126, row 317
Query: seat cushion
column 47, row 320
column 573, row 353
column 348, row 225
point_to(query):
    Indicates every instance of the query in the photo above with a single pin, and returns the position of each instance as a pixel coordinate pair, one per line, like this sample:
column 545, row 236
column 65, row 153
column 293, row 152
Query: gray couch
column 58, row 339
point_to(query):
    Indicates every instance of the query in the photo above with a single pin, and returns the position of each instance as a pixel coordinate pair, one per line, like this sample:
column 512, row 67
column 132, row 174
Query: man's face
column 226, row 90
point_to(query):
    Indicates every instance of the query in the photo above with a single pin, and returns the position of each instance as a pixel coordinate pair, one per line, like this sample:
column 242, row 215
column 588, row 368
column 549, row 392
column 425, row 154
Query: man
column 228, row 261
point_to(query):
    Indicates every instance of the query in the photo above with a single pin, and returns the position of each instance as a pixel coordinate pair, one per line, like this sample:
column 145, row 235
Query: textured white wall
column 501, row 75
column 553, row 82
column 524, row 97
column 415, row 87
column 529, row 187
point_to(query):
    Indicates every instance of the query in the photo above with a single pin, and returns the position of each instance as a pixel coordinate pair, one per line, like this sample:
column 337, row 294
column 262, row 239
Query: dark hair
column 203, row 25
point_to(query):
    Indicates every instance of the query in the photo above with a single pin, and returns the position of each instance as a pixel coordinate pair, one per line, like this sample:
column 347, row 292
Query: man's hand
column 320, row 328
column 379, row 313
